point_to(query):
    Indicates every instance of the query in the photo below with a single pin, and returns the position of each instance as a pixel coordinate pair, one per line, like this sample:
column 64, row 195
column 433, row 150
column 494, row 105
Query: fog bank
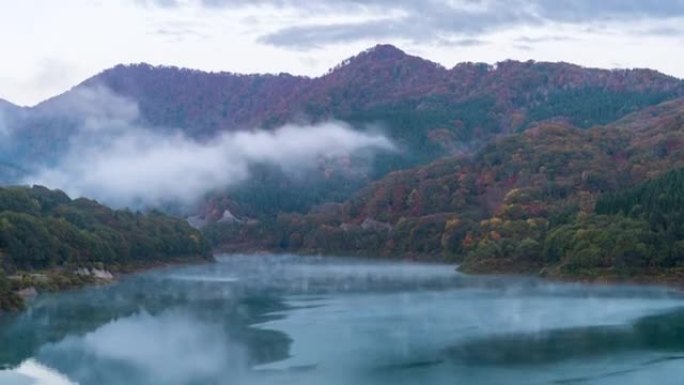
column 113, row 156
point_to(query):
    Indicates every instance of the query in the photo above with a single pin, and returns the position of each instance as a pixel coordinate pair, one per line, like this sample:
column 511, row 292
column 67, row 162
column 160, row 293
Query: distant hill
column 384, row 79
column 521, row 203
column 411, row 95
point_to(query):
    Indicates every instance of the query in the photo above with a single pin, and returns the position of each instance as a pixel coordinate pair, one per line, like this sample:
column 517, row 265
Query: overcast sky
column 48, row 46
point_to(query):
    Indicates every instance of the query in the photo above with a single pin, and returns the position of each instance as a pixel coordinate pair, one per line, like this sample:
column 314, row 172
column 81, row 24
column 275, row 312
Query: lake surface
column 319, row 321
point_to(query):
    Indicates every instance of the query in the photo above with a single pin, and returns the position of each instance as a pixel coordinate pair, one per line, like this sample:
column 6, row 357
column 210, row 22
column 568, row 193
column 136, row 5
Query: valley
column 507, row 168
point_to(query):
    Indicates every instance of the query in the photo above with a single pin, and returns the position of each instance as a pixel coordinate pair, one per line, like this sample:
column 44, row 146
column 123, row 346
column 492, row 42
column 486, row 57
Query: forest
column 556, row 199
column 43, row 230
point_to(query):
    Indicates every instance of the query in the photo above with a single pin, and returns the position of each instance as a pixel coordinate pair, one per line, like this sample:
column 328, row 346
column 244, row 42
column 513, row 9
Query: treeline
column 42, row 229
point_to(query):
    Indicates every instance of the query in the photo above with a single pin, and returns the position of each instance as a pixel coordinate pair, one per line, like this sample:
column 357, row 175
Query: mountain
column 7, row 111
column 200, row 103
column 386, row 78
column 429, row 111
column 526, row 202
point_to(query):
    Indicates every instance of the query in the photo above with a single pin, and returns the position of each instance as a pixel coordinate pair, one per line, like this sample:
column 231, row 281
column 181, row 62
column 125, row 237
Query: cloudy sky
column 48, row 46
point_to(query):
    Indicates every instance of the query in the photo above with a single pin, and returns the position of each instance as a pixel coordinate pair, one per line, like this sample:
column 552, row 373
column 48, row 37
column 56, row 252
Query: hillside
column 427, row 110
column 511, row 205
column 45, row 237
column 381, row 80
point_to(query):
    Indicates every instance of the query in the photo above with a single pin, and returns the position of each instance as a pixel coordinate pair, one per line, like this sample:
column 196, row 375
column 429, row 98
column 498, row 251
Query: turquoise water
column 298, row 320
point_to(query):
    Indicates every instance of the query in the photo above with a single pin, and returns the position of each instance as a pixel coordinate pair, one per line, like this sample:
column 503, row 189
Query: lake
column 283, row 319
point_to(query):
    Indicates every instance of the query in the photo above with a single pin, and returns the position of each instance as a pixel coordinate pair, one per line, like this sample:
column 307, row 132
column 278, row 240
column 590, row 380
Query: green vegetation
column 588, row 107
column 9, row 300
column 45, row 231
column 555, row 199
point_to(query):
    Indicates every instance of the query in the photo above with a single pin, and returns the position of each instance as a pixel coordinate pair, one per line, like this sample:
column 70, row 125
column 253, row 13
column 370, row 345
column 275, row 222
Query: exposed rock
column 372, row 224
column 27, row 293
column 197, row 221
column 96, row 273
column 228, row 217
column 201, row 220
column 102, row 274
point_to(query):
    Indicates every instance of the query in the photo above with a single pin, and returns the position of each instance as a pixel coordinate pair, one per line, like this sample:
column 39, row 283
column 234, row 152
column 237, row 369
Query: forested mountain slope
column 514, row 205
column 469, row 99
column 427, row 110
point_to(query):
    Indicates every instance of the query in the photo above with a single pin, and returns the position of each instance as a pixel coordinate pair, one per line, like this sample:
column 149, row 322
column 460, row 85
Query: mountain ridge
column 380, row 52
column 471, row 100
column 426, row 109
column 411, row 76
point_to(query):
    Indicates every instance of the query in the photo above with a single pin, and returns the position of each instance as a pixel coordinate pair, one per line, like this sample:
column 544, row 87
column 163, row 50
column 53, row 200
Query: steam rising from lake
column 263, row 320
column 113, row 157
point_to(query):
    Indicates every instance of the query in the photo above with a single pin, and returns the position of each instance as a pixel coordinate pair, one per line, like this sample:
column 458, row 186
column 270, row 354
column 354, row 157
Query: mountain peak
column 383, row 52
column 385, row 56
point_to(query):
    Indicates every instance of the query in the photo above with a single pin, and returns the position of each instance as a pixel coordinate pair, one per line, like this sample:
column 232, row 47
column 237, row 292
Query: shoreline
column 31, row 284
column 672, row 278
column 61, row 280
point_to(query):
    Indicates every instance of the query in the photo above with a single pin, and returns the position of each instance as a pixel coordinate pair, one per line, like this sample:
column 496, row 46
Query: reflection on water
column 296, row 320
column 31, row 372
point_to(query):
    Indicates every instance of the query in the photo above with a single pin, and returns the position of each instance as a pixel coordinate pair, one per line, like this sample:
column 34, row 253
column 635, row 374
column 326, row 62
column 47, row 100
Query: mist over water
column 308, row 320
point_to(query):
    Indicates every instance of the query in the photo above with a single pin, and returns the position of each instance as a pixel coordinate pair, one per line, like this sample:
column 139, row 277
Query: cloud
column 175, row 34
column 176, row 30
column 542, row 39
column 159, row 3
column 660, row 31
column 437, row 20
column 579, row 11
column 50, row 74
column 314, row 36
column 428, row 21
column 94, row 109
column 467, row 42
column 114, row 158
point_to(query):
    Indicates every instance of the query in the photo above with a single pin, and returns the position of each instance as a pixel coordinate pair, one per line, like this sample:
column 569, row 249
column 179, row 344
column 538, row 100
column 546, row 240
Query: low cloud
column 114, row 158
column 93, row 109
